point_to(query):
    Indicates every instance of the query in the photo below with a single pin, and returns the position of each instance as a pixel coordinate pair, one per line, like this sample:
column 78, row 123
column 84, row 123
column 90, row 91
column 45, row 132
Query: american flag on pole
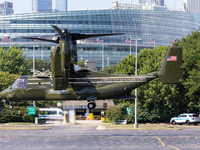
column 128, row 41
column 174, row 41
column 171, row 58
column 6, row 38
column 99, row 40
column 153, row 41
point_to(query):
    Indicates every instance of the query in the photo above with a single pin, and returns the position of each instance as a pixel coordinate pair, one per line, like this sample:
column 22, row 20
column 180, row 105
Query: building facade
column 191, row 6
column 41, row 6
column 6, row 8
column 146, row 25
column 150, row 2
column 61, row 5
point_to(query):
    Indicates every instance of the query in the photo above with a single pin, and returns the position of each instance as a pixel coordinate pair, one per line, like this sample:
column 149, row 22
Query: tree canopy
column 167, row 100
column 39, row 65
column 12, row 61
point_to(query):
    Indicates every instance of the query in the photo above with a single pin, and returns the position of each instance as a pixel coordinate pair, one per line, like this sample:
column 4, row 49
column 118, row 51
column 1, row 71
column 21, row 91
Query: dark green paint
column 88, row 85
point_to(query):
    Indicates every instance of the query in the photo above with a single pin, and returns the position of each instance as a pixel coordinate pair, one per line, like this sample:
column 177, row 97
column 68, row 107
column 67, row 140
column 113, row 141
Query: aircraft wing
column 78, row 36
column 47, row 38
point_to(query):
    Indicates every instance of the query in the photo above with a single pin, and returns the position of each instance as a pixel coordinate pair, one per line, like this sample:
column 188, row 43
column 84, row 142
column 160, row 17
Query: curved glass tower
column 161, row 27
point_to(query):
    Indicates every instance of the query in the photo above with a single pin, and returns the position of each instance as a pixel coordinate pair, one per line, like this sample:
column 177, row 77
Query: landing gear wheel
column 43, row 121
column 91, row 105
column 173, row 122
column 10, row 105
column 188, row 122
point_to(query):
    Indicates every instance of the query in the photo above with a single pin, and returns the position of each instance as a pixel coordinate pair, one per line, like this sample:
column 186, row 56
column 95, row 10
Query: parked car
column 50, row 114
column 186, row 118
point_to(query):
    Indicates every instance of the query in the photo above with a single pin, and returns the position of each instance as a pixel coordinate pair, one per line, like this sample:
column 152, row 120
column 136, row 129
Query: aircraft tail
column 171, row 71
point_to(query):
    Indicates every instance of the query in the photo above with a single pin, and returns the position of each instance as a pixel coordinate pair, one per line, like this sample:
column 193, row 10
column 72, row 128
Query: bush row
column 143, row 115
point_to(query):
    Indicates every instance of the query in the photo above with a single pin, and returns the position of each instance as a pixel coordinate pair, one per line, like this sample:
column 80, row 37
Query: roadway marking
column 173, row 147
column 156, row 137
column 161, row 141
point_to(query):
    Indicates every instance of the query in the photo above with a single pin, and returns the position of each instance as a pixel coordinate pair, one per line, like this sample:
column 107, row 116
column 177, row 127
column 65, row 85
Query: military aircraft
column 69, row 82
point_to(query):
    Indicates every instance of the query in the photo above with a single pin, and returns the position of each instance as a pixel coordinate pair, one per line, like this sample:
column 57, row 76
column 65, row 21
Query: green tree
column 7, row 79
column 81, row 63
column 39, row 64
column 110, row 69
column 12, row 61
column 165, row 100
column 191, row 65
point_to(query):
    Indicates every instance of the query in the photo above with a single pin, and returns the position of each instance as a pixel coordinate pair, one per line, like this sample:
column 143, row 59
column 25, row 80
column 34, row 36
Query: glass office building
column 41, row 6
column 146, row 25
column 61, row 5
column 150, row 2
column 6, row 8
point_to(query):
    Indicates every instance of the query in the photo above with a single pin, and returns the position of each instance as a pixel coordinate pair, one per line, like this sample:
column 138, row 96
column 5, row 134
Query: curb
column 100, row 127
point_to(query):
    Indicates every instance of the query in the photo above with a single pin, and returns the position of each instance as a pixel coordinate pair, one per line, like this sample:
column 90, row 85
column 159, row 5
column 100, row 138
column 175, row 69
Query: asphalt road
column 84, row 136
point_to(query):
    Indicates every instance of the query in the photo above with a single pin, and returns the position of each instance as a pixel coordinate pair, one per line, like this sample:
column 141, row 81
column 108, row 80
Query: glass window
column 14, row 84
column 193, row 115
column 22, row 83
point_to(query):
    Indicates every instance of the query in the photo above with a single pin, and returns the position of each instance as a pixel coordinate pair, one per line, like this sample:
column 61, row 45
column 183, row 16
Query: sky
column 25, row 6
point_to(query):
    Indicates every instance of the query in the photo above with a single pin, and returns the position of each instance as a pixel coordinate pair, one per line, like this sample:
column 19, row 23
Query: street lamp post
column 107, row 61
column 135, row 125
column 102, row 56
column 90, row 56
column 34, row 66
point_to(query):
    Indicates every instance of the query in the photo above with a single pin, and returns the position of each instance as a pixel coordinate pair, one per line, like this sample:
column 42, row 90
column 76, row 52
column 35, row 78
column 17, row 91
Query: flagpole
column 154, row 43
column 10, row 42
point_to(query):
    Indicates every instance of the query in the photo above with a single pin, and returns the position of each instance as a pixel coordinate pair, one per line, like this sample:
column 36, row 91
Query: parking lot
column 84, row 135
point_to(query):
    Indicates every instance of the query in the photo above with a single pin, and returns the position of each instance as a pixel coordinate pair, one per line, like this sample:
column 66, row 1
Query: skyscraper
column 41, row 6
column 157, row 2
column 192, row 6
column 6, row 8
column 61, row 5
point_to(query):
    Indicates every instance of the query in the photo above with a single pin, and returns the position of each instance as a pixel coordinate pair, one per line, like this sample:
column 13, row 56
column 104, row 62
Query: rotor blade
column 78, row 36
column 47, row 38
column 59, row 32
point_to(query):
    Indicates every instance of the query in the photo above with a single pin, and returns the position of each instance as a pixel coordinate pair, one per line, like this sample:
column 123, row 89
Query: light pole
column 102, row 56
column 90, row 56
column 34, row 66
column 135, row 125
column 42, row 55
column 107, row 61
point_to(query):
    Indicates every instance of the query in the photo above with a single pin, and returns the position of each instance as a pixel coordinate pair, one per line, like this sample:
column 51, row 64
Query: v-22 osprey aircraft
column 69, row 82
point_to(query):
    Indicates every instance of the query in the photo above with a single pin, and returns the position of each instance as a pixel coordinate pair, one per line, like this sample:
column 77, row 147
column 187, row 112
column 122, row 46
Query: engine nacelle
column 60, row 65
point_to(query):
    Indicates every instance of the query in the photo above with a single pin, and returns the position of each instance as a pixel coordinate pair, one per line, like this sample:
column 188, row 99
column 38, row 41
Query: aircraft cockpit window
column 77, row 68
column 22, row 83
column 14, row 84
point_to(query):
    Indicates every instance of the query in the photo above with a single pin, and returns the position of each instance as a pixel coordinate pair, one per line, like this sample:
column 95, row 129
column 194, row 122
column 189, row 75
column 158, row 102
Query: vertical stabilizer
column 171, row 70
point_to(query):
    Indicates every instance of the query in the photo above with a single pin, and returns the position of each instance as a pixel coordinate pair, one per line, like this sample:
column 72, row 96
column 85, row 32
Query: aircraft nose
column 6, row 94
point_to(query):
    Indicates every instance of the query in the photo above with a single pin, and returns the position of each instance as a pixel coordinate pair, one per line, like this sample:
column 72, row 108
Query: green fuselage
column 83, row 85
